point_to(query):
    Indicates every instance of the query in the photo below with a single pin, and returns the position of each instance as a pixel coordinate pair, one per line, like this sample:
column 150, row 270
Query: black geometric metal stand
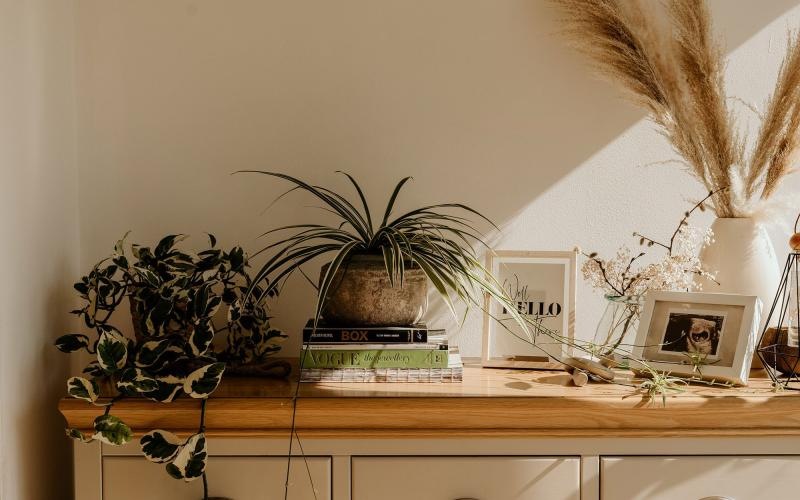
column 778, row 346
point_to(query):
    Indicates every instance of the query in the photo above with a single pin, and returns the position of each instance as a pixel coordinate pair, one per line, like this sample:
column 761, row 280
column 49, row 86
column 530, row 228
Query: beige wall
column 476, row 99
column 39, row 249
column 163, row 99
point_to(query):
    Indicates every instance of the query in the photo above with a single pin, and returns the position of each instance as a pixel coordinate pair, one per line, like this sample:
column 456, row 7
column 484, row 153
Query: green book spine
column 375, row 358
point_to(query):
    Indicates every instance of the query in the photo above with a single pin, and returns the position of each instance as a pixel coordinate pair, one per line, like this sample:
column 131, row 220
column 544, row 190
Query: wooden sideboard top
column 490, row 402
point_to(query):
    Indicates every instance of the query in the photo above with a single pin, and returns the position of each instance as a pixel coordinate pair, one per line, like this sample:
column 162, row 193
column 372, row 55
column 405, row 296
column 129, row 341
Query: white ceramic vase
column 743, row 258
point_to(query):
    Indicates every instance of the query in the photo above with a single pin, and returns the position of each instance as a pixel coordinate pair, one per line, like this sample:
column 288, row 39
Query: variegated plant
column 174, row 298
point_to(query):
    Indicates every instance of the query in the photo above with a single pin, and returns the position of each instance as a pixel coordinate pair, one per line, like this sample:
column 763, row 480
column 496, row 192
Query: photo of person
column 693, row 332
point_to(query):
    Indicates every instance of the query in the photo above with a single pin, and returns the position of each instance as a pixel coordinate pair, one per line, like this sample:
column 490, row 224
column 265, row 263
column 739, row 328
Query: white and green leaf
column 151, row 351
column 77, row 435
column 81, row 388
column 112, row 351
column 168, row 388
column 72, row 342
column 190, row 462
column 160, row 446
column 111, row 430
column 201, row 337
column 135, row 380
column 203, row 381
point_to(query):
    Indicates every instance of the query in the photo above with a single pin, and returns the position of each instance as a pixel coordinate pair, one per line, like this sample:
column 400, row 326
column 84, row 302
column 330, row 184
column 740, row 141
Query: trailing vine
column 180, row 346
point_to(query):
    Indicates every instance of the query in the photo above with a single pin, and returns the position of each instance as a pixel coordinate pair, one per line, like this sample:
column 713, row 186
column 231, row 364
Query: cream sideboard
column 501, row 435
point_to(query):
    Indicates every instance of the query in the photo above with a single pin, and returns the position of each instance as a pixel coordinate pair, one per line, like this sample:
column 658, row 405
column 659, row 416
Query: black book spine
column 344, row 336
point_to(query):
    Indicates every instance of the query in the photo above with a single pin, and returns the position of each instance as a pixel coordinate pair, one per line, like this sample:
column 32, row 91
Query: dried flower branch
column 777, row 139
column 675, row 271
column 677, row 75
column 700, row 205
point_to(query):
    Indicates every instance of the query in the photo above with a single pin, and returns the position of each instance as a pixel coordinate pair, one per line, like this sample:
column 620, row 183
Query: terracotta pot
column 362, row 295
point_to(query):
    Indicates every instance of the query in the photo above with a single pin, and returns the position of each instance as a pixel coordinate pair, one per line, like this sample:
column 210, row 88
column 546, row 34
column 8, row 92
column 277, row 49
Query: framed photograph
column 709, row 335
column 542, row 286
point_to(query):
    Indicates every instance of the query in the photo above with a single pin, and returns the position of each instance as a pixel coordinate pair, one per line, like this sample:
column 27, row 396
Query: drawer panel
column 239, row 478
column 481, row 478
column 694, row 478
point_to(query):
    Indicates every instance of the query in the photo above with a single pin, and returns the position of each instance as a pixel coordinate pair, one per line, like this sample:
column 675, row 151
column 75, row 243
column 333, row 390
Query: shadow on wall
column 481, row 101
column 41, row 384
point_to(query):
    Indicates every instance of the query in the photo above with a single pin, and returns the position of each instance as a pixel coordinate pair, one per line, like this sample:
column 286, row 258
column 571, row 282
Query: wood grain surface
column 489, row 403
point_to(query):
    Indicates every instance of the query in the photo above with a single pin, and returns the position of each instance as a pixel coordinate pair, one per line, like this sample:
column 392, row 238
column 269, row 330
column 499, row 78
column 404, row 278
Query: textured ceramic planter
column 362, row 295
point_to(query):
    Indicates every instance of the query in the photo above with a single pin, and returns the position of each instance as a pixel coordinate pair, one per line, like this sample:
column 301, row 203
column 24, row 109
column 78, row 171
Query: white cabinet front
column 696, row 478
column 237, row 478
column 478, row 478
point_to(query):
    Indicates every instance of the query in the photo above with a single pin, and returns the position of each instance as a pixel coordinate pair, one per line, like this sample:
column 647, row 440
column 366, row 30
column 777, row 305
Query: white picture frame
column 544, row 282
column 723, row 328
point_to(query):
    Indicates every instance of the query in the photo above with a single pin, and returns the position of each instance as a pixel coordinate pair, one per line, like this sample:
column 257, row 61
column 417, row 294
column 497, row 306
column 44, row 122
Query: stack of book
column 378, row 354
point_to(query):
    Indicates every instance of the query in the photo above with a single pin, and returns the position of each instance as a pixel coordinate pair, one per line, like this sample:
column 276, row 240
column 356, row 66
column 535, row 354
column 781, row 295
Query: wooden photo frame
column 542, row 283
column 676, row 326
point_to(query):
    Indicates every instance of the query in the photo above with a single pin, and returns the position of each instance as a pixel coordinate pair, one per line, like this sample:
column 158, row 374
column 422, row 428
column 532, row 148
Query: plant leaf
column 111, row 430
column 112, row 351
column 136, row 381
column 363, row 199
column 393, row 198
column 201, row 337
column 160, row 446
column 327, row 279
column 166, row 392
column 166, row 244
column 93, row 369
column 151, row 352
column 81, row 388
column 72, row 342
column 77, row 435
column 190, row 462
column 203, row 381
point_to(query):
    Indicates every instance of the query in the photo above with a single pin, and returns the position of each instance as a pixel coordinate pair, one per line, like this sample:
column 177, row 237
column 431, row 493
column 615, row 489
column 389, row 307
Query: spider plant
column 438, row 239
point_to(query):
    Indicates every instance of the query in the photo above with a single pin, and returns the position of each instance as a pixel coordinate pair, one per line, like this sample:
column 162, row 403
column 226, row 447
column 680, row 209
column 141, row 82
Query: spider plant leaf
column 330, row 273
column 305, row 236
column 305, row 227
column 332, row 201
column 397, row 259
column 363, row 200
column 430, row 208
column 393, row 198
column 354, row 217
column 439, row 282
column 287, row 254
column 388, row 262
column 295, row 259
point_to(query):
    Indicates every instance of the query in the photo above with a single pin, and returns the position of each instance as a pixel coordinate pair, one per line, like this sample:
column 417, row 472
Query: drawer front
column 481, row 478
column 239, row 478
column 694, row 478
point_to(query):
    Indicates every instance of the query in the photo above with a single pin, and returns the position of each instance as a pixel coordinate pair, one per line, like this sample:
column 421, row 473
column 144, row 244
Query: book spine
column 377, row 347
column 343, row 336
column 396, row 375
column 384, row 358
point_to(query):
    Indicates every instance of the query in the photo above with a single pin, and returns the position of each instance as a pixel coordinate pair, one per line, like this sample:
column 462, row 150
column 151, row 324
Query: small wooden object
column 794, row 242
column 580, row 378
column 590, row 367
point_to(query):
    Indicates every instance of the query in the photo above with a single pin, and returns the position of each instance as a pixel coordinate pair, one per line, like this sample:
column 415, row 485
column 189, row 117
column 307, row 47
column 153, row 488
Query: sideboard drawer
column 695, row 477
column 239, row 478
column 481, row 478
